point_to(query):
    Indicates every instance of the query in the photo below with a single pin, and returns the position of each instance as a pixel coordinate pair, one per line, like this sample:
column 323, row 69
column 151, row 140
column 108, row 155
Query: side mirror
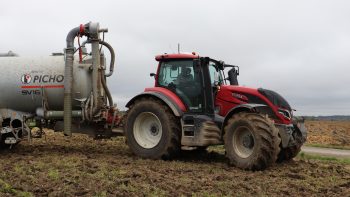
column 152, row 74
column 232, row 76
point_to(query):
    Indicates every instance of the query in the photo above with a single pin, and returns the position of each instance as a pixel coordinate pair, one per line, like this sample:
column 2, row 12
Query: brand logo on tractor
column 26, row 78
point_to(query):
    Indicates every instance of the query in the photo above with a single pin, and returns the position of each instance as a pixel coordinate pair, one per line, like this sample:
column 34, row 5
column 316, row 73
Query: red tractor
column 192, row 106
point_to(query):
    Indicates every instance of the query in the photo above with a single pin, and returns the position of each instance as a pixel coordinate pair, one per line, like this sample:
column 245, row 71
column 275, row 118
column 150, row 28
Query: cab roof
column 177, row 56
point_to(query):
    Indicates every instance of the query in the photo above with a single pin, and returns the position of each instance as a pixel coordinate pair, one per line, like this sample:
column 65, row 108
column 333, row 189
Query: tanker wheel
column 4, row 146
column 251, row 141
column 152, row 131
column 2, row 142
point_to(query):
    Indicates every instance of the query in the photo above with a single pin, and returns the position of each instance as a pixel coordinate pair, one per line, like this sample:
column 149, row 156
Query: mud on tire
column 152, row 131
column 289, row 153
column 251, row 141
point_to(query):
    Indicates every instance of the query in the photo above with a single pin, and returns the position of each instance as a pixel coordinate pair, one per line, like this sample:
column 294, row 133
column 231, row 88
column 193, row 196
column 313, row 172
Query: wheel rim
column 147, row 130
column 243, row 142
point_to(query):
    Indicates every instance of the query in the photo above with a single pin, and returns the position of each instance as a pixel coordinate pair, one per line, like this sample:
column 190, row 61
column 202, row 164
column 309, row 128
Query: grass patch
column 53, row 174
column 217, row 148
column 101, row 194
column 306, row 156
column 329, row 146
column 8, row 189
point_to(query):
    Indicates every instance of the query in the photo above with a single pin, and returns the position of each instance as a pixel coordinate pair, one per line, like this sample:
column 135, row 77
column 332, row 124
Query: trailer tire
column 251, row 141
column 4, row 146
column 2, row 143
column 152, row 130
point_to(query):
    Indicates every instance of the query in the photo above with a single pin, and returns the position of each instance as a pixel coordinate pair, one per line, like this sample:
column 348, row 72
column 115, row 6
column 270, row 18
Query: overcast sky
column 300, row 49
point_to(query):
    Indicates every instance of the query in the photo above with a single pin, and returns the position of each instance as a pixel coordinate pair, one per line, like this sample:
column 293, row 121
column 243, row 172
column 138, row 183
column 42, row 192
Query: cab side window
column 215, row 75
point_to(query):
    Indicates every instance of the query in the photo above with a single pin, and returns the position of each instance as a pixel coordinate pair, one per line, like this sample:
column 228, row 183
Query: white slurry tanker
column 47, row 90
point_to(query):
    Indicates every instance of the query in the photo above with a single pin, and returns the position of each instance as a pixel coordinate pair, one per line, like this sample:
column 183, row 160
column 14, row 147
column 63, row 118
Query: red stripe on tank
column 45, row 86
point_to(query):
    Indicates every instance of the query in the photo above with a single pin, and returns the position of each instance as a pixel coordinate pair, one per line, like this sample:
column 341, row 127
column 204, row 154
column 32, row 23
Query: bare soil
column 81, row 166
column 328, row 132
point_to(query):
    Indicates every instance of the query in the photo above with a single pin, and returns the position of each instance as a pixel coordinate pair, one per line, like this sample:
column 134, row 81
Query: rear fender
column 177, row 109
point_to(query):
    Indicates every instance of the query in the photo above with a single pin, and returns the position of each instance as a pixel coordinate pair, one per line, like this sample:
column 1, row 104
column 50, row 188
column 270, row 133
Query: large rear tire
column 251, row 141
column 152, row 131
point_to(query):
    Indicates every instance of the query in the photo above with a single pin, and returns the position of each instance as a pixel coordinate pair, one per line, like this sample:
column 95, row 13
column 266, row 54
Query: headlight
column 285, row 113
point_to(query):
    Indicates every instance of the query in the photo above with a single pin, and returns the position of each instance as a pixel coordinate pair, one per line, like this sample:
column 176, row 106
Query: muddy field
column 329, row 133
column 81, row 166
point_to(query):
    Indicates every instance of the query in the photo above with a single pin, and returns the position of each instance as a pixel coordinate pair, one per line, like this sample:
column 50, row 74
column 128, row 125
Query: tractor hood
column 262, row 95
column 275, row 98
column 238, row 95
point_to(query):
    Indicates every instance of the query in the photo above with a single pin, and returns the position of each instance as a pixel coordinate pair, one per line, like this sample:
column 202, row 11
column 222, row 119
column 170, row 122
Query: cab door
column 184, row 79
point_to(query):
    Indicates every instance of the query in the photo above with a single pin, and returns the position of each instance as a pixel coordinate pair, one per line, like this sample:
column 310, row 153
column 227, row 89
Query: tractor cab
column 194, row 79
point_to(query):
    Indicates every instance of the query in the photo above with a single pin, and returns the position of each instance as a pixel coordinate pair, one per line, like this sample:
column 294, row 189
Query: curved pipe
column 68, row 81
column 108, row 93
column 111, row 51
column 71, row 36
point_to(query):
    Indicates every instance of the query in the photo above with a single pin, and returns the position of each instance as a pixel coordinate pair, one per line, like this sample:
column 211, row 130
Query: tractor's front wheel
column 251, row 141
column 289, row 153
column 151, row 129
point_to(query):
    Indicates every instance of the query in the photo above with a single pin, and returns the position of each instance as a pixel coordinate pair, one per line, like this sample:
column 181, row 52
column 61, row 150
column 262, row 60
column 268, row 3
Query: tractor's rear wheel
column 152, row 130
column 251, row 141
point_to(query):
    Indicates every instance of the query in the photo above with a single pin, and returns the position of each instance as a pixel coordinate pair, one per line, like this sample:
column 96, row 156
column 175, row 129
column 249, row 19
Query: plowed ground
column 329, row 133
column 81, row 166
